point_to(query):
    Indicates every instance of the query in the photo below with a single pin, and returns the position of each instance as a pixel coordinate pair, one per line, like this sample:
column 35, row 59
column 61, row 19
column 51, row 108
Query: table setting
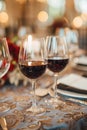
column 80, row 63
column 48, row 102
column 67, row 111
column 74, row 85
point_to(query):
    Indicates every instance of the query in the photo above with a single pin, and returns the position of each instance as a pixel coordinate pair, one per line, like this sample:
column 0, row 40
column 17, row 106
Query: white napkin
column 81, row 60
column 75, row 81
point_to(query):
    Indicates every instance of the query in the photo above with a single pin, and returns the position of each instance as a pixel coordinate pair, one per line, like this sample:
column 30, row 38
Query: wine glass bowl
column 33, row 69
column 4, row 57
column 57, row 57
column 4, row 66
column 32, row 64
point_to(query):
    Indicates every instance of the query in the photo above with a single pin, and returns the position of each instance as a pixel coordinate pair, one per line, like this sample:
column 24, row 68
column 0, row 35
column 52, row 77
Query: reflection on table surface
column 69, row 113
column 16, row 101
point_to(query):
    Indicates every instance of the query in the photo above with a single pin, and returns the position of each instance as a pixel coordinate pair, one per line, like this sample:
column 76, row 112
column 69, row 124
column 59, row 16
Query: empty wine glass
column 32, row 64
column 57, row 58
column 4, row 65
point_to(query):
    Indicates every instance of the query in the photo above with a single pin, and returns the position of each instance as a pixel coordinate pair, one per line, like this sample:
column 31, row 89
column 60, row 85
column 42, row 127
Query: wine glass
column 32, row 64
column 57, row 58
column 4, row 65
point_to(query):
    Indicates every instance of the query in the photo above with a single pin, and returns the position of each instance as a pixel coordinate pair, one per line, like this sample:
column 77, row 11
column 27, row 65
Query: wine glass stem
column 55, row 89
column 34, row 95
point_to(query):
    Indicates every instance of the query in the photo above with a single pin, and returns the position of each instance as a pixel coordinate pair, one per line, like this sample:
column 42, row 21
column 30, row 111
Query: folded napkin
column 71, row 89
column 73, row 83
column 81, row 61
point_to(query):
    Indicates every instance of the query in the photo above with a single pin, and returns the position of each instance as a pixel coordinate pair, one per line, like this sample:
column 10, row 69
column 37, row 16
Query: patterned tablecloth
column 66, row 116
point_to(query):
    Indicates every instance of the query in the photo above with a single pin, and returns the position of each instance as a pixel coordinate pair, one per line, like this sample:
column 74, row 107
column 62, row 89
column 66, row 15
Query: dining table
column 69, row 114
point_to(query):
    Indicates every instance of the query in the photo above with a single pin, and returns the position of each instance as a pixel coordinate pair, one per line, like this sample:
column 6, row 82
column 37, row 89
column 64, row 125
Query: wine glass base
column 54, row 102
column 37, row 111
column 35, row 125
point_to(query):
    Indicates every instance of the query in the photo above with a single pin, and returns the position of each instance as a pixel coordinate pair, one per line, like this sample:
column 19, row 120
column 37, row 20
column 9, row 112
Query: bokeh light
column 42, row 16
column 3, row 17
column 77, row 22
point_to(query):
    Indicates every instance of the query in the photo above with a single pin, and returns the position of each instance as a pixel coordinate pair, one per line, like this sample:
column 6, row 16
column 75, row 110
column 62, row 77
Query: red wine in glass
column 32, row 64
column 57, row 57
column 57, row 64
column 33, row 69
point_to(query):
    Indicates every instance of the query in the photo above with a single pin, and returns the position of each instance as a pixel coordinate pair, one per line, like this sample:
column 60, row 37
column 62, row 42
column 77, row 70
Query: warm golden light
column 77, row 22
column 42, row 16
column 84, row 16
column 42, row 1
column 21, row 1
column 3, row 17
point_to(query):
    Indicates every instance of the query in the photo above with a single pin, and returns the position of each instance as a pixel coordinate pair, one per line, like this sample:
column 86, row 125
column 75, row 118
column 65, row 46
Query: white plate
column 82, row 60
column 77, row 66
column 76, row 81
column 72, row 94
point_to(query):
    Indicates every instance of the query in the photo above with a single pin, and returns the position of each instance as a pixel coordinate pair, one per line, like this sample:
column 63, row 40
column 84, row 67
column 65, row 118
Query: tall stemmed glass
column 57, row 58
column 32, row 64
column 4, row 64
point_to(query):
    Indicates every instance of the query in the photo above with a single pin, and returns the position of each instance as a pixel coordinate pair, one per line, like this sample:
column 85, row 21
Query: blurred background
column 43, row 17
